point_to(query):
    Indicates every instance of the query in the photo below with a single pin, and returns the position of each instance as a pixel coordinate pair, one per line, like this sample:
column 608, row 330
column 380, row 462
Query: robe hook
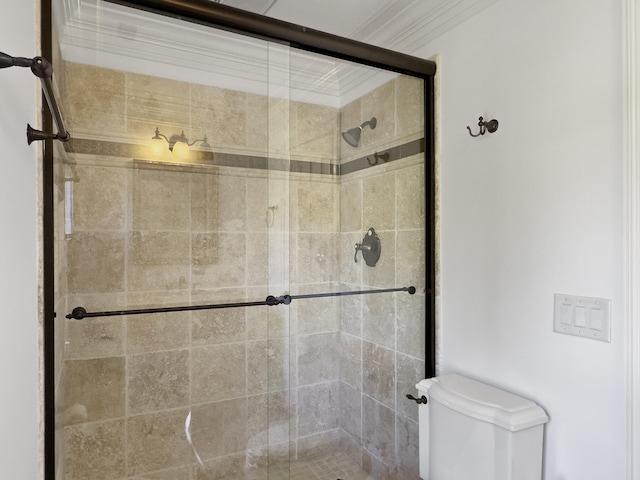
column 490, row 126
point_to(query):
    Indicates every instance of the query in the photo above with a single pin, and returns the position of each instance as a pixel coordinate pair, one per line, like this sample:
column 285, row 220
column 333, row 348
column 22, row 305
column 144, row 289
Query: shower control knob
column 370, row 248
column 422, row 399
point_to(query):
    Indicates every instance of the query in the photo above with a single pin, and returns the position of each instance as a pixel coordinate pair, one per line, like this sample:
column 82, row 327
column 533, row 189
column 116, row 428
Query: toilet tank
column 472, row 431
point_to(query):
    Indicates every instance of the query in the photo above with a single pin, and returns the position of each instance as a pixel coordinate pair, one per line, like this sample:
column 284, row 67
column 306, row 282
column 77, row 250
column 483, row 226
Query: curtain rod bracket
column 42, row 69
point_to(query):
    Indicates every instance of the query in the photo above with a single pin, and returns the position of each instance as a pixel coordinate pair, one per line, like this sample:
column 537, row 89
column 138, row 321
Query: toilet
column 472, row 431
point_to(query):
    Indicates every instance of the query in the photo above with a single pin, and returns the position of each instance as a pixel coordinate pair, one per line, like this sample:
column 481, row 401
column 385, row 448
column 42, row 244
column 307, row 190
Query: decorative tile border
column 116, row 149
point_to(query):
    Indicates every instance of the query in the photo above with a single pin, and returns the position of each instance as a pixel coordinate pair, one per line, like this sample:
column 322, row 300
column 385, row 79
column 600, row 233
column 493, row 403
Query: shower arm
column 42, row 69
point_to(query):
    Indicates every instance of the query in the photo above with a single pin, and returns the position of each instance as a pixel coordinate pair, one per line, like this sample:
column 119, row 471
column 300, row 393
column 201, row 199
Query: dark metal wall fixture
column 378, row 156
column 42, row 69
column 491, row 126
column 370, row 248
column 80, row 313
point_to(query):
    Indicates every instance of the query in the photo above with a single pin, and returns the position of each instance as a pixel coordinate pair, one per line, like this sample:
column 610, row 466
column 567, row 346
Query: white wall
column 535, row 209
column 19, row 410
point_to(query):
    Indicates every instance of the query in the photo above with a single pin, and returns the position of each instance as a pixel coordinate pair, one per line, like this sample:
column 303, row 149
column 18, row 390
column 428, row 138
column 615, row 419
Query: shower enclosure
column 236, row 289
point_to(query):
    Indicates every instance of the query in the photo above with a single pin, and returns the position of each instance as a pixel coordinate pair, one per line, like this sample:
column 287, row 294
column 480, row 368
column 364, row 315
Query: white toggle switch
column 587, row 317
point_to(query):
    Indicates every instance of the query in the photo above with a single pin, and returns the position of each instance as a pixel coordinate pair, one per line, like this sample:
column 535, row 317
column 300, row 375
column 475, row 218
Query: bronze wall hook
column 490, row 126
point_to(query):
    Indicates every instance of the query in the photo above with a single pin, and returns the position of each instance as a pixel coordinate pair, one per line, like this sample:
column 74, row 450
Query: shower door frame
column 215, row 15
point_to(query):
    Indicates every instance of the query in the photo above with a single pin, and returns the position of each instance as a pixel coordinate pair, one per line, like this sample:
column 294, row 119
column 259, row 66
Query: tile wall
column 290, row 381
column 382, row 349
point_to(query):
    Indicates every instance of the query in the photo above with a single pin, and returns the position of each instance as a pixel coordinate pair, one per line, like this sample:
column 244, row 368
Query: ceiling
column 401, row 25
column 113, row 36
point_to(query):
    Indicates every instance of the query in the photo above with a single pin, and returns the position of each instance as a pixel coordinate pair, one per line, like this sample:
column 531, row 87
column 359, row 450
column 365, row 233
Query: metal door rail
column 80, row 313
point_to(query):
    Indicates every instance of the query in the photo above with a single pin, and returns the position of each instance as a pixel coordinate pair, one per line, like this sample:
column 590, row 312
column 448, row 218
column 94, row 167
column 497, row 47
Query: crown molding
column 113, row 36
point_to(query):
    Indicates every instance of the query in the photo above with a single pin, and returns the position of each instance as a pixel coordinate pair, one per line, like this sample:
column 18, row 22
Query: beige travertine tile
column 410, row 200
column 220, row 428
column 232, row 203
column 317, row 444
column 268, row 423
column 351, row 314
column 229, row 467
column 95, row 262
column 350, row 271
column 314, row 131
column 315, row 257
column 222, row 325
column 95, row 100
column 181, row 473
column 279, row 126
column 351, row 410
column 379, row 103
column 97, row 384
column 257, row 126
column 410, row 258
column 351, row 448
column 258, row 204
column 378, row 431
column 257, row 255
column 95, row 450
column 157, row 381
column 156, row 441
column 227, row 380
column 163, row 331
column 378, row 193
column 378, row 319
column 161, row 199
column 267, row 366
column 196, row 236
column 154, row 248
column 351, row 206
column 379, row 378
column 204, row 202
column 100, row 198
column 318, row 359
column 158, row 261
column 317, row 408
column 204, row 249
column 157, row 102
column 221, row 114
column 96, row 337
column 316, row 315
column 376, row 467
column 314, row 207
column 351, row 360
column 409, row 105
column 408, row 460
column 230, row 269
column 158, row 331
column 411, row 324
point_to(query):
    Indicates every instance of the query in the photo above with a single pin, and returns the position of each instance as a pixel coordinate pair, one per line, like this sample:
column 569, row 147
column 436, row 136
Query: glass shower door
column 172, row 194
column 214, row 217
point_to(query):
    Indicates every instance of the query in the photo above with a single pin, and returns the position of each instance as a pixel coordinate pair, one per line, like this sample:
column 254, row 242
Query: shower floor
column 331, row 466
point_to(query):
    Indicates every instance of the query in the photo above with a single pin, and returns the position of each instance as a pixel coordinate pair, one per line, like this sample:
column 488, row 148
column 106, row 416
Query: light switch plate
column 587, row 317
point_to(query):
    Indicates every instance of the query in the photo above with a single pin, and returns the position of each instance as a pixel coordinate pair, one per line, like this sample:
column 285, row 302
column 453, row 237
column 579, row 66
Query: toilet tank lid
column 483, row 402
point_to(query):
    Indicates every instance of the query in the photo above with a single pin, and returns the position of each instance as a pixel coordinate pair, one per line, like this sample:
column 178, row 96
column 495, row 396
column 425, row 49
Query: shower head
column 352, row 136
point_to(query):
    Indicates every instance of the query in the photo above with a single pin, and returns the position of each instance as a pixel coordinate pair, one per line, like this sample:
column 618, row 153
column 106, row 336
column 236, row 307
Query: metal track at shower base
column 80, row 313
